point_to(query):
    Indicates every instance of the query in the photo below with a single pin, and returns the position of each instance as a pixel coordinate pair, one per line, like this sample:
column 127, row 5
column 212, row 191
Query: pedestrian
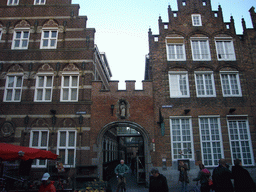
column 47, row 185
column 120, row 170
column 203, row 176
column 242, row 179
column 221, row 177
column 157, row 182
column 183, row 178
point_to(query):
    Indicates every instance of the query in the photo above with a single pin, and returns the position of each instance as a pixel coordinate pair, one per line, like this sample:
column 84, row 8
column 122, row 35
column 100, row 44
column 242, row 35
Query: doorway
column 124, row 140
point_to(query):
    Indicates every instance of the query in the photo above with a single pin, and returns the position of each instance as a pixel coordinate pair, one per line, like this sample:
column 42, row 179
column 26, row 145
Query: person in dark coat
column 221, row 177
column 157, row 182
column 242, row 179
column 203, row 176
column 183, row 177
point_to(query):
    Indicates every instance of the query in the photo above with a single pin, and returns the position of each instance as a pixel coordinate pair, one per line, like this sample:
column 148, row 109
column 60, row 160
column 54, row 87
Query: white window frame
column 13, row 2
column 201, row 54
column 225, row 53
column 49, row 39
column 44, row 88
column 186, row 147
column 239, row 94
column 175, row 48
column 69, row 87
column 1, row 33
column 14, row 88
column 196, row 20
column 204, row 84
column 66, row 147
column 211, row 140
column 239, row 135
column 178, row 85
column 39, row 146
column 40, row 2
column 21, row 39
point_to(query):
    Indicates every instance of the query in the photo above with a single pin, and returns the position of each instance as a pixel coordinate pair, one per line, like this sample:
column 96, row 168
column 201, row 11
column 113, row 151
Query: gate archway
column 134, row 126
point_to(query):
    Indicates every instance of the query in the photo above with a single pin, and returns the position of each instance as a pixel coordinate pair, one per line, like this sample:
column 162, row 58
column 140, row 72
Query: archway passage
column 123, row 140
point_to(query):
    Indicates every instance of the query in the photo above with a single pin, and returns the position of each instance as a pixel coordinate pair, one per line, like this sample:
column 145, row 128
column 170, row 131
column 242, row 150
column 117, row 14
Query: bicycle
column 121, row 182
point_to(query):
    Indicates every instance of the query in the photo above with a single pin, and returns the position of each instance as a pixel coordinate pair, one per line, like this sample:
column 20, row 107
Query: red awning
column 9, row 152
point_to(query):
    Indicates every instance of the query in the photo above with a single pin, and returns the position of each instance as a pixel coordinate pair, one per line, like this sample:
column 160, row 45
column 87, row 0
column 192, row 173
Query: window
column 13, row 2
column 67, row 146
column 1, row 30
column 181, row 137
column 39, row 2
column 205, row 84
column 200, row 49
column 196, row 20
column 225, row 50
column 204, row 3
column 211, row 146
column 39, row 139
column 69, row 89
column 49, row 39
column 178, row 82
column 240, row 141
column 183, row 3
column 43, row 91
column 20, row 39
column 13, row 88
column 230, row 84
column 175, row 49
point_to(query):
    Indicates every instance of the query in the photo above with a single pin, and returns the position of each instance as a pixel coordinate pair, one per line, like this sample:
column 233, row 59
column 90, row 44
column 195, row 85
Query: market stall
column 16, row 175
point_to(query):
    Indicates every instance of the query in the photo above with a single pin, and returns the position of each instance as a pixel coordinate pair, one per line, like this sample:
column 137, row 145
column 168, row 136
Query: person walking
column 242, row 179
column 157, row 182
column 120, row 170
column 203, row 176
column 221, row 177
column 183, row 177
column 47, row 185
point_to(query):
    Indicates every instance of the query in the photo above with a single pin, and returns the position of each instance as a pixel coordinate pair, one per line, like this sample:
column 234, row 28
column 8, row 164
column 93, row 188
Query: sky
column 122, row 29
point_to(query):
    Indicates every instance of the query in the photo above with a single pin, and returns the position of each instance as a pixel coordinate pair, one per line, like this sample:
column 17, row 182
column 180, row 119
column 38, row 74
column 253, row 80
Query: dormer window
column 40, row 2
column 196, row 20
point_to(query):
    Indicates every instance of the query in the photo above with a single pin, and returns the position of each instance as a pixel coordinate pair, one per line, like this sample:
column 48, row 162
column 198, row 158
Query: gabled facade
column 203, row 83
column 48, row 61
column 197, row 102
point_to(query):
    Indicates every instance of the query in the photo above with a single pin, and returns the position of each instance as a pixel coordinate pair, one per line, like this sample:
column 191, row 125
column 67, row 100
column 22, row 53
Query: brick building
column 197, row 102
column 203, row 77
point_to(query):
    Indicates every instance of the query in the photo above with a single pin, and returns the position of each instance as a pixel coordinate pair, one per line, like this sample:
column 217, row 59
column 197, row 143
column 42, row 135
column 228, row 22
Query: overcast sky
column 122, row 29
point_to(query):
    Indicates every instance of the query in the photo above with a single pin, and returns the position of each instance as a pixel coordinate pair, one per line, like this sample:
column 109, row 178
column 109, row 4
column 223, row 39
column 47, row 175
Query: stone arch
column 137, row 127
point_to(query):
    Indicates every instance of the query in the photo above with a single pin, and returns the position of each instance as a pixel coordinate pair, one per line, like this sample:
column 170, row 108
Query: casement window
column 200, row 49
column 225, row 49
column 39, row 139
column 66, row 148
column 175, row 49
column 20, row 39
column 196, row 20
column 205, row 84
column 69, row 87
column 13, row 88
column 44, row 87
column 181, row 137
column 211, row 140
column 240, row 140
column 178, row 82
column 13, row 2
column 40, row 2
column 49, row 39
column 230, row 84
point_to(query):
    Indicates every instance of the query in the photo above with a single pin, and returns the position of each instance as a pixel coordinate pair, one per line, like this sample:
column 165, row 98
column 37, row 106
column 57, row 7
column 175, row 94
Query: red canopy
column 9, row 152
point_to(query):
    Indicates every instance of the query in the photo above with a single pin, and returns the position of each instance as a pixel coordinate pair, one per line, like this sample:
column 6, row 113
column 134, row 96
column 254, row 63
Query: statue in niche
column 122, row 109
